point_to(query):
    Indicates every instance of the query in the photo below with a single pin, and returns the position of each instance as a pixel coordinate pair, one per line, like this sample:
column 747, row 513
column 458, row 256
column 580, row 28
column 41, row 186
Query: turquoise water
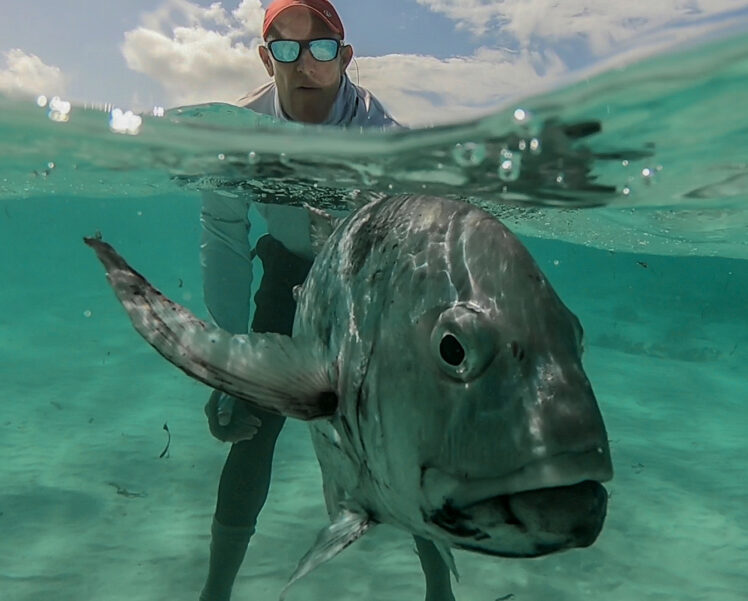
column 641, row 227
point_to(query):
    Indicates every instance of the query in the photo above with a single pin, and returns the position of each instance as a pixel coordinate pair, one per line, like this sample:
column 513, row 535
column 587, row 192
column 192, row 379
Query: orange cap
column 322, row 8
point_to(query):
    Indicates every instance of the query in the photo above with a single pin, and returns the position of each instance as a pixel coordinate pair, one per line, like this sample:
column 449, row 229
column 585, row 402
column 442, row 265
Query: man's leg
column 245, row 478
column 243, row 488
column 438, row 583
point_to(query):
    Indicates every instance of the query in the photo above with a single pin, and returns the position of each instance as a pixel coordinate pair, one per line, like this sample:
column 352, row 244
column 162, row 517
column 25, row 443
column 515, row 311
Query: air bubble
column 59, row 110
column 535, row 146
column 124, row 122
column 87, row 313
column 469, row 154
column 521, row 115
column 626, row 191
column 253, row 158
column 221, row 156
column 509, row 165
column 41, row 101
column 648, row 175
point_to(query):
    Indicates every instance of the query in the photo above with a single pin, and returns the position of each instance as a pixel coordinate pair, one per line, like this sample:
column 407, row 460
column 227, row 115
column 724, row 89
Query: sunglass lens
column 285, row 51
column 324, row 50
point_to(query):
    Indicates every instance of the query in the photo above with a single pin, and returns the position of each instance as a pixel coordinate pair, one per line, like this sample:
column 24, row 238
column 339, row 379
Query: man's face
column 307, row 87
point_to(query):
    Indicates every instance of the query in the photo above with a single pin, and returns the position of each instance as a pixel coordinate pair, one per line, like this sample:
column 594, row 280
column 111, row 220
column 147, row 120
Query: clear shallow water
column 658, row 277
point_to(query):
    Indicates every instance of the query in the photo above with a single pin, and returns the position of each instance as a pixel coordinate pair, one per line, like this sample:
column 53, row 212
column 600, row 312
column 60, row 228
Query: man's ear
column 265, row 57
column 346, row 55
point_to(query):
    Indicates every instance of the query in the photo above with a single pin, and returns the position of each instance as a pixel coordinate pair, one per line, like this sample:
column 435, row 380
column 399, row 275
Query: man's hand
column 229, row 420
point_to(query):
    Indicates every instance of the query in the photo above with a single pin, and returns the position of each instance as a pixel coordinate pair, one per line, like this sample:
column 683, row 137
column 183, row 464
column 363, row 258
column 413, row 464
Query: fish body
column 440, row 373
column 459, row 382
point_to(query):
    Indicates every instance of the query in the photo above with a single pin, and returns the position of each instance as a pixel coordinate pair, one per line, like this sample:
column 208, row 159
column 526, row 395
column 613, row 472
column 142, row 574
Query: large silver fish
column 440, row 373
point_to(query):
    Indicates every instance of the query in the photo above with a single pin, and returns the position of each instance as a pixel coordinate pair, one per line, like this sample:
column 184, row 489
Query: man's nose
column 306, row 61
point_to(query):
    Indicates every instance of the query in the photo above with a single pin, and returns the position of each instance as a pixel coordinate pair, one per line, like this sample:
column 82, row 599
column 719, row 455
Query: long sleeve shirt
column 226, row 256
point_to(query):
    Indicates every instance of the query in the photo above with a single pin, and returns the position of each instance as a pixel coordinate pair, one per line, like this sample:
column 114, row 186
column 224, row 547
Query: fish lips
column 537, row 510
column 530, row 523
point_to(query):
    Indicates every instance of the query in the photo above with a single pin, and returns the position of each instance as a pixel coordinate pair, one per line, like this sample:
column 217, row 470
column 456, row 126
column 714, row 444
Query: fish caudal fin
column 347, row 528
column 272, row 371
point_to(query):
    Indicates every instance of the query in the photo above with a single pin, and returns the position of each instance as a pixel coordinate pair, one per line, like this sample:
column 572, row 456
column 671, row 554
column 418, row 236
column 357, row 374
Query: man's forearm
column 225, row 256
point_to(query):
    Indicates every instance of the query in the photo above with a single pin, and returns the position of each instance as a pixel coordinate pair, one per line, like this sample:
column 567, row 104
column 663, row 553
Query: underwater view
column 626, row 179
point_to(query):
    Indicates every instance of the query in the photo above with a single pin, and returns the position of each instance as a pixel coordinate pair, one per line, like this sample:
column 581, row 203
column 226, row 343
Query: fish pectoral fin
column 347, row 528
column 447, row 557
column 272, row 371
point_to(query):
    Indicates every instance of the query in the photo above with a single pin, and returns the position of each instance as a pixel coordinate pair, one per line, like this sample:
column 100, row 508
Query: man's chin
column 310, row 113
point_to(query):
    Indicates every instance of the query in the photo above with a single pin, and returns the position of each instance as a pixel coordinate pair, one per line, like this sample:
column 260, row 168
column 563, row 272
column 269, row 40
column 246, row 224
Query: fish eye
column 451, row 351
column 463, row 341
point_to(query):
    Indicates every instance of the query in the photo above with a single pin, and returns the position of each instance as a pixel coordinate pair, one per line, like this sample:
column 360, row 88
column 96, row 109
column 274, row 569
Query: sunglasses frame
column 305, row 44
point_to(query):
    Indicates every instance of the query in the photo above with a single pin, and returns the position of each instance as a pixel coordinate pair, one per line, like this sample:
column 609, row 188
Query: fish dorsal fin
column 321, row 226
column 361, row 198
column 448, row 558
column 348, row 526
column 272, row 371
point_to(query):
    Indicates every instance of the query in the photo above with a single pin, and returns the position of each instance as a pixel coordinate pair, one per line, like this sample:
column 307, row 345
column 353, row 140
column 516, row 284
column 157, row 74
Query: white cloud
column 27, row 75
column 425, row 90
column 601, row 23
column 199, row 54
column 250, row 14
column 194, row 64
column 185, row 13
column 204, row 59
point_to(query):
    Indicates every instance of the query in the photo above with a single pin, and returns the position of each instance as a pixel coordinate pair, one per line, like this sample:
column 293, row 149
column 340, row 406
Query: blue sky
column 428, row 60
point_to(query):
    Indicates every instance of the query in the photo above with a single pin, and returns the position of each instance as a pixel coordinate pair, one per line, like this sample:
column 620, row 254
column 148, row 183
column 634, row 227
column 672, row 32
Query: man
column 307, row 58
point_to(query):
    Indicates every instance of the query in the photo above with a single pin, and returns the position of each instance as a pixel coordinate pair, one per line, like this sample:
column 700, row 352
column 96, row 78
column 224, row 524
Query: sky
column 429, row 61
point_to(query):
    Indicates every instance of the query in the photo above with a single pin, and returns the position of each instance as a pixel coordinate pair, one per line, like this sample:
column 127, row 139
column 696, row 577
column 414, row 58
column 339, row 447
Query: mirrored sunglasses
column 287, row 51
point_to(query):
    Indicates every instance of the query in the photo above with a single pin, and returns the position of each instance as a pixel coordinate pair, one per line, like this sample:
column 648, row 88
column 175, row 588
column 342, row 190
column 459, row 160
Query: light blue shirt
column 225, row 253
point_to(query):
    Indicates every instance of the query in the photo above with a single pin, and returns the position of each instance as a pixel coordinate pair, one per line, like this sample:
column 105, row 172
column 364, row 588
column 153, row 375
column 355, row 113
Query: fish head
column 486, row 416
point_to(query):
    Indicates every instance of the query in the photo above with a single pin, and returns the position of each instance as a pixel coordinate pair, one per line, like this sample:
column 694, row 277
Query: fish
column 439, row 372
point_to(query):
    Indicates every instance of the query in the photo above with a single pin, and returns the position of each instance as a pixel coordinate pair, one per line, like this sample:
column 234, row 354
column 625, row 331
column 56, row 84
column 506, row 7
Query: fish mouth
column 529, row 523
column 543, row 507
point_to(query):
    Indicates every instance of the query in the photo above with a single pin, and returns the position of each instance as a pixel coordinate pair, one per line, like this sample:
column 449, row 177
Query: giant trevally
column 440, row 373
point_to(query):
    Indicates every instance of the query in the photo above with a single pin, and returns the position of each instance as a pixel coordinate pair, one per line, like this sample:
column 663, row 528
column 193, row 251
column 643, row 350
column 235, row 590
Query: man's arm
column 225, row 256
